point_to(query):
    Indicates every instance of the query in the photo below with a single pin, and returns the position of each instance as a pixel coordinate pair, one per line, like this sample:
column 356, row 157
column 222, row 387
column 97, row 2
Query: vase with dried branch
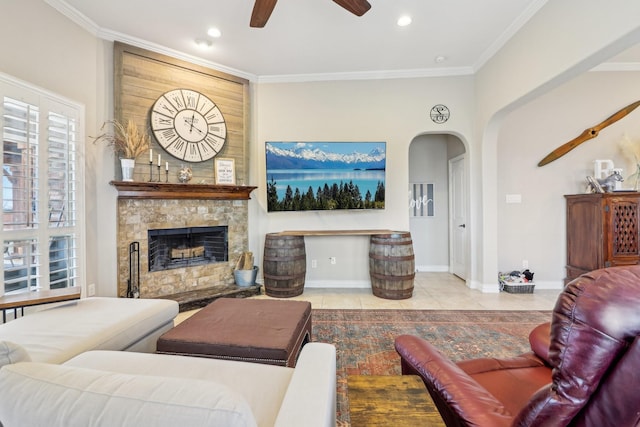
column 631, row 149
column 127, row 143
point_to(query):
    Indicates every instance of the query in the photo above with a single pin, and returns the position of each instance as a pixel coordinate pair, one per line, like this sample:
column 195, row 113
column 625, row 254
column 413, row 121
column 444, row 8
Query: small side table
column 391, row 400
column 28, row 299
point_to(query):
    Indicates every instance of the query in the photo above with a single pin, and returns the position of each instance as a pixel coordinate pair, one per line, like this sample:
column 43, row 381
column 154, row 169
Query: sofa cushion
column 59, row 333
column 63, row 396
column 11, row 352
column 262, row 386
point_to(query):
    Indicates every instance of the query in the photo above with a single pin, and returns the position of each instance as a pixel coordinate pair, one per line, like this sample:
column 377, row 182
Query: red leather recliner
column 583, row 370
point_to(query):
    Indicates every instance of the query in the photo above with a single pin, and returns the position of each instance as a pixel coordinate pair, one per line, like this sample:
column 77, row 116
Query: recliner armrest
column 451, row 387
column 540, row 340
column 488, row 364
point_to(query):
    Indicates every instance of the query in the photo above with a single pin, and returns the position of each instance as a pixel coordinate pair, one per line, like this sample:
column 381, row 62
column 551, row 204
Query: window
column 41, row 191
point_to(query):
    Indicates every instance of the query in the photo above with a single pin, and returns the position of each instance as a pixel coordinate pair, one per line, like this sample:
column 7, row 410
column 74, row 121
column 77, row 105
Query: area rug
column 364, row 338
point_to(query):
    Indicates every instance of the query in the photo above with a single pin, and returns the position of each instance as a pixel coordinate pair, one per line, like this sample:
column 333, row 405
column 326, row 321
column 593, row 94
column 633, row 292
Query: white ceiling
column 313, row 38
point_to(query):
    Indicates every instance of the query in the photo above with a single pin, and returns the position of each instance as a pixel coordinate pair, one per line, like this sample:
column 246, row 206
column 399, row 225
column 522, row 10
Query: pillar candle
column 158, row 159
column 166, row 166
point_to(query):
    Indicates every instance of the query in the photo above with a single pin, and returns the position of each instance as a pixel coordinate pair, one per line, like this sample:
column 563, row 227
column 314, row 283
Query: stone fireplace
column 211, row 221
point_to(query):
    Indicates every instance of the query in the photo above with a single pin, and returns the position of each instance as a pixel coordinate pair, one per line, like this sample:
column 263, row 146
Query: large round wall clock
column 188, row 125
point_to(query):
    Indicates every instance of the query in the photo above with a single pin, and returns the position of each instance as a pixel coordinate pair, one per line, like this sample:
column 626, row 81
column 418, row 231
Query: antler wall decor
column 588, row 134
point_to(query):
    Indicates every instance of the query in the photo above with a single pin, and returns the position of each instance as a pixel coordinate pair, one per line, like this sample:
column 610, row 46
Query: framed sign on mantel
column 225, row 171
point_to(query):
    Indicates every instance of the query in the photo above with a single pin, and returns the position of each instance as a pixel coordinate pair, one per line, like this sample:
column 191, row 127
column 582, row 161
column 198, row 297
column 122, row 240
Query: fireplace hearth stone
column 192, row 300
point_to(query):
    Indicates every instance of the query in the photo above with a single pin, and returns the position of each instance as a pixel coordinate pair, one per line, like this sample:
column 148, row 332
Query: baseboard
column 354, row 284
column 432, row 268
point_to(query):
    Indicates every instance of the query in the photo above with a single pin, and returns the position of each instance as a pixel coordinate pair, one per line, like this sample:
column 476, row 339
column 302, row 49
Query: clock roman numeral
column 214, row 116
column 219, row 130
column 177, row 148
column 214, row 142
column 169, row 134
column 179, row 145
column 192, row 154
column 168, row 109
column 177, row 101
column 191, row 101
column 204, row 105
column 160, row 121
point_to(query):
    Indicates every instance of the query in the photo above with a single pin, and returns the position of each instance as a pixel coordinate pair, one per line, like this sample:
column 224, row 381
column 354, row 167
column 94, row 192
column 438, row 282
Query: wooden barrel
column 392, row 265
column 284, row 265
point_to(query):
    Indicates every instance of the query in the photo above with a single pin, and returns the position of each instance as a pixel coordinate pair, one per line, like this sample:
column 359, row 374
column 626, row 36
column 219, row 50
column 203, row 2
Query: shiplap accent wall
column 142, row 76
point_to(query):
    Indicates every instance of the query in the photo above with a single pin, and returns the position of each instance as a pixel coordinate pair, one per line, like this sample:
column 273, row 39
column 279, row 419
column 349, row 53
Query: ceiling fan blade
column 357, row 7
column 261, row 12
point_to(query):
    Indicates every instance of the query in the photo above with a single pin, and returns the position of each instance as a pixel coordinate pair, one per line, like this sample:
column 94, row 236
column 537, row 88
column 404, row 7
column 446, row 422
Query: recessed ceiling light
column 403, row 21
column 214, row 32
column 439, row 59
column 203, row 43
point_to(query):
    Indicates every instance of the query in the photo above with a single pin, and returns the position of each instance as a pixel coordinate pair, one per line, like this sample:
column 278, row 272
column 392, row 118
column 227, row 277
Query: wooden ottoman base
column 261, row 331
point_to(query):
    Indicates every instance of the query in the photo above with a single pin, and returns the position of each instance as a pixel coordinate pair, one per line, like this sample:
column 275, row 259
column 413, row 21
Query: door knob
column 462, row 226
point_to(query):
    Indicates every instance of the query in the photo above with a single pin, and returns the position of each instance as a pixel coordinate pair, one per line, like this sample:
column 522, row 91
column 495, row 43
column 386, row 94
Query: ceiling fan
column 262, row 10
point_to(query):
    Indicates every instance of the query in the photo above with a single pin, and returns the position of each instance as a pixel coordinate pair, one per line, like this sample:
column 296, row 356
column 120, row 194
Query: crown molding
column 368, row 75
column 74, row 15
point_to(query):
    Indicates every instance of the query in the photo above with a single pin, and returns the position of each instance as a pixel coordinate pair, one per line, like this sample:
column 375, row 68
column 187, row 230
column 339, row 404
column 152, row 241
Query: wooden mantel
column 160, row 190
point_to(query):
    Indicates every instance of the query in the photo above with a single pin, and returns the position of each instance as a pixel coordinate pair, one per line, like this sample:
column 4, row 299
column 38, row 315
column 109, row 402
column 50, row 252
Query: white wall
column 394, row 111
column 535, row 229
column 45, row 49
column 430, row 235
column 563, row 40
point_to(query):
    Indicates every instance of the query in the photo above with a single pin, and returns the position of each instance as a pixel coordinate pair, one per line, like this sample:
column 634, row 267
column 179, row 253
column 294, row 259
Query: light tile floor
column 432, row 291
column 438, row 291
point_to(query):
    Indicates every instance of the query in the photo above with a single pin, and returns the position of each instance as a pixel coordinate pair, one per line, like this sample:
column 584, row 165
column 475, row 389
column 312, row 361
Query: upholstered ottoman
column 251, row 330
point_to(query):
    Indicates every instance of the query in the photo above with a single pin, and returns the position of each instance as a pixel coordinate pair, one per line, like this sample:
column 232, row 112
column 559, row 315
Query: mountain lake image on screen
column 304, row 176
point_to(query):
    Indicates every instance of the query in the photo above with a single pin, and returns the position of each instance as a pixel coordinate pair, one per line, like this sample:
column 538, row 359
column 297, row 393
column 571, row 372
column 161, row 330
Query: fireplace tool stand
column 133, row 283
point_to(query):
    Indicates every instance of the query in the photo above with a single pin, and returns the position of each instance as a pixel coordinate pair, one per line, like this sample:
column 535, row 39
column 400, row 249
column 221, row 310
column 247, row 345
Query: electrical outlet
column 332, row 260
column 525, row 263
column 91, row 289
column 314, row 263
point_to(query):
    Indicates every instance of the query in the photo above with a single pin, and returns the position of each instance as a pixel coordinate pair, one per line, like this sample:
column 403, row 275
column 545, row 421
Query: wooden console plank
column 334, row 232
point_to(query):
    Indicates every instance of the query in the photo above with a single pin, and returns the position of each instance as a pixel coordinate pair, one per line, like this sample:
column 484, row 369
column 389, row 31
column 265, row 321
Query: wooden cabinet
column 602, row 231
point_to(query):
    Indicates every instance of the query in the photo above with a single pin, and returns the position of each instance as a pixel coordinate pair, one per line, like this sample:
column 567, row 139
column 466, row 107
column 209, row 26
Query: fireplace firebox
column 184, row 247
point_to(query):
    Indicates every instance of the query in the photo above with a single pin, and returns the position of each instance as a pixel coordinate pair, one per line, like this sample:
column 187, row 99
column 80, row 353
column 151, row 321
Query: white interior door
column 458, row 217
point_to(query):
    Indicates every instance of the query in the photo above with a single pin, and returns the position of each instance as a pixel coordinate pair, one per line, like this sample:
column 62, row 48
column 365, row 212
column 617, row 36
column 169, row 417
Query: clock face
column 188, row 125
column 439, row 113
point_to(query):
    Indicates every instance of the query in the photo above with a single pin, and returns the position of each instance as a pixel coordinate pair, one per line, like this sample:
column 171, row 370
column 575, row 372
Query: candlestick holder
column 159, row 176
column 151, row 171
column 166, row 175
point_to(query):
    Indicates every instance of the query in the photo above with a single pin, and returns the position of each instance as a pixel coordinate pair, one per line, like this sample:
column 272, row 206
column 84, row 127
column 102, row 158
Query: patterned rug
column 364, row 338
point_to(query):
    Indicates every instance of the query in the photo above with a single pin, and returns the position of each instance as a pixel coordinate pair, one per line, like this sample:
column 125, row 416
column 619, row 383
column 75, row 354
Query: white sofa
column 109, row 389
column 57, row 334
column 59, row 369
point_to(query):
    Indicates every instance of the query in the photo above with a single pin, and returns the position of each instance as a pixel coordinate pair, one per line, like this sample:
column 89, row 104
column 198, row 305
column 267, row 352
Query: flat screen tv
column 303, row 176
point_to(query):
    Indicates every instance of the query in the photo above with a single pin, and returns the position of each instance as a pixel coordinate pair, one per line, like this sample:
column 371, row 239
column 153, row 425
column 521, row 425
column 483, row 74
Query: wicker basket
column 518, row 288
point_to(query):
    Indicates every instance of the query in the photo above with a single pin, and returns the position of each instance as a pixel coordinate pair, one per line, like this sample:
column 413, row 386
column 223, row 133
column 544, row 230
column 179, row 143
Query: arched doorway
column 438, row 203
